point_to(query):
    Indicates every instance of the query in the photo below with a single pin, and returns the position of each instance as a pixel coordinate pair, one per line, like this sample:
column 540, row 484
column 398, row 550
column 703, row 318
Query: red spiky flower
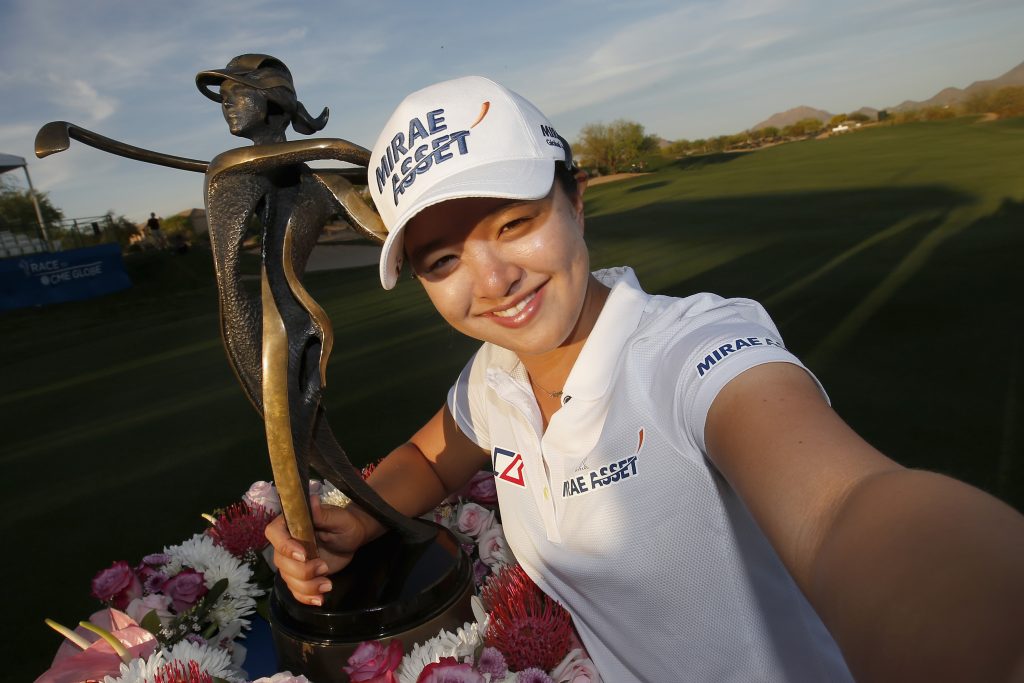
column 368, row 470
column 239, row 529
column 526, row 626
column 176, row 672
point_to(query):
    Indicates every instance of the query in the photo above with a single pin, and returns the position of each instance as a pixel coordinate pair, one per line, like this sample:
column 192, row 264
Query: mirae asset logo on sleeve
column 733, row 347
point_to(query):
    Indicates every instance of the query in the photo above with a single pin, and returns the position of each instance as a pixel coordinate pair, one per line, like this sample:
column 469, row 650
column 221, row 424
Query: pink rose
column 475, row 519
column 139, row 607
column 494, row 548
column 185, row 589
column 117, row 585
column 374, row 663
column 449, row 670
column 576, row 668
column 264, row 494
column 482, row 488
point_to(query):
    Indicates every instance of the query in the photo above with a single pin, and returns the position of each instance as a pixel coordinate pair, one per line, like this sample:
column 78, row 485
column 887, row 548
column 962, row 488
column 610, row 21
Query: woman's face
column 513, row 273
column 244, row 108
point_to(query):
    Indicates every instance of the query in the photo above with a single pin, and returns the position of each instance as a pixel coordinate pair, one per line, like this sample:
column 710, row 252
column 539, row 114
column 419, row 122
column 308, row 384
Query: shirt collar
column 593, row 370
column 592, row 373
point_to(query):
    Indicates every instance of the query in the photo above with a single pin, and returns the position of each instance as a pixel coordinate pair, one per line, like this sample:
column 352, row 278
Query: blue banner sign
column 42, row 279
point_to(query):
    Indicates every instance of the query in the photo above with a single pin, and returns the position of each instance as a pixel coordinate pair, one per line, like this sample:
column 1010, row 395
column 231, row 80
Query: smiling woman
column 665, row 467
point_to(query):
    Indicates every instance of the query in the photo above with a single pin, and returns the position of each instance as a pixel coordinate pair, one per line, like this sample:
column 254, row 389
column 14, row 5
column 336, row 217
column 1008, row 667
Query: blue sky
column 686, row 68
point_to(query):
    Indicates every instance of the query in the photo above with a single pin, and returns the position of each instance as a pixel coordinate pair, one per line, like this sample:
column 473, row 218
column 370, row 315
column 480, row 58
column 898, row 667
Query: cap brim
column 524, row 179
column 215, row 77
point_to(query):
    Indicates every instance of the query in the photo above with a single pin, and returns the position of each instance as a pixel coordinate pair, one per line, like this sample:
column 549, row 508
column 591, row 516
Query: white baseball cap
column 468, row 137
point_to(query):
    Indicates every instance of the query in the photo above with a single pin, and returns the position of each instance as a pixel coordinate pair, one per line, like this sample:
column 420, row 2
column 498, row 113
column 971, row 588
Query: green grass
column 888, row 258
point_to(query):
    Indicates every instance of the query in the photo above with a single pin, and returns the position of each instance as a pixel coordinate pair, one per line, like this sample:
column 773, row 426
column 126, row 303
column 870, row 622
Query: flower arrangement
column 178, row 616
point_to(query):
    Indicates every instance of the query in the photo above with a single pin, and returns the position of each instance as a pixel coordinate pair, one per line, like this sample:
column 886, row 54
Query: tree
column 18, row 212
column 615, row 147
column 678, row 148
column 836, row 120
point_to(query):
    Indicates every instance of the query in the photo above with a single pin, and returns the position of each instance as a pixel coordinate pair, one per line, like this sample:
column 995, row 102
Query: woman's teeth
column 517, row 309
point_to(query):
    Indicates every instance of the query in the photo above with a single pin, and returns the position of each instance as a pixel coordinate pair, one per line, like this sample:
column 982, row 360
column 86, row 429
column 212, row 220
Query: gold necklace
column 552, row 394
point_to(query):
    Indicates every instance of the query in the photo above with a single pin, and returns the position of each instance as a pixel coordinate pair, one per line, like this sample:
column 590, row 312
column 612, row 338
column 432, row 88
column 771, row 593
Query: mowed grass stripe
column 109, row 372
column 56, row 439
column 914, row 261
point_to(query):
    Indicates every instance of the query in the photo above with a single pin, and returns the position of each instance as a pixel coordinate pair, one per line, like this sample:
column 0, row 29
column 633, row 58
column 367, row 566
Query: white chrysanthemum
column 139, row 670
column 461, row 644
column 332, row 495
column 213, row 661
column 216, row 563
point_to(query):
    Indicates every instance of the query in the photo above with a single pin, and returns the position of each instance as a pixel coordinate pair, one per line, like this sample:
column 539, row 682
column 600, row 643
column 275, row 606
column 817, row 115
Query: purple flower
column 480, row 572
column 482, row 488
column 533, row 675
column 156, row 560
column 117, row 585
column 185, row 589
column 492, row 662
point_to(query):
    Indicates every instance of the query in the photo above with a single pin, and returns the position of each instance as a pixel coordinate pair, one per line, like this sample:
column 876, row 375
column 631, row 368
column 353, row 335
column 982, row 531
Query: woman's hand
column 339, row 532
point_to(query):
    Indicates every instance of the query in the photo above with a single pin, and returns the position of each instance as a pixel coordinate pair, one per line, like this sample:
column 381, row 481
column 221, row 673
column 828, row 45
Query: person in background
column 153, row 224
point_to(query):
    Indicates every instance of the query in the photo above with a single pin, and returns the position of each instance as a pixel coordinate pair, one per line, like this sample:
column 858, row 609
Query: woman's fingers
column 339, row 533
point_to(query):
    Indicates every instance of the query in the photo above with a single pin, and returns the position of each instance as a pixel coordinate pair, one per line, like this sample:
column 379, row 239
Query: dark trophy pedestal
column 390, row 590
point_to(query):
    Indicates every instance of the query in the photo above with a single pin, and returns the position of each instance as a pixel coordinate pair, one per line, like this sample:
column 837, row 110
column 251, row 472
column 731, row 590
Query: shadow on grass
column 918, row 280
column 647, row 186
column 704, row 160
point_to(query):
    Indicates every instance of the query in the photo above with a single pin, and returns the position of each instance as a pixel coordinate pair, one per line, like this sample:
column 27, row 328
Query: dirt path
column 600, row 180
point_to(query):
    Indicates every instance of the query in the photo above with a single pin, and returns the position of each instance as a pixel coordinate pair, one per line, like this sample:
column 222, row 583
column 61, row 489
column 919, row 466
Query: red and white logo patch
column 509, row 466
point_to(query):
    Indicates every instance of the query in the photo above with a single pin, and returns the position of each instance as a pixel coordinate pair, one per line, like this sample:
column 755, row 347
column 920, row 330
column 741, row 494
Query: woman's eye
column 438, row 264
column 514, row 223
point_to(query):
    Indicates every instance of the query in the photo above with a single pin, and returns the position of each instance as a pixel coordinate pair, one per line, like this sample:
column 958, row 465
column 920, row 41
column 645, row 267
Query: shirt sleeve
column 713, row 348
column 467, row 402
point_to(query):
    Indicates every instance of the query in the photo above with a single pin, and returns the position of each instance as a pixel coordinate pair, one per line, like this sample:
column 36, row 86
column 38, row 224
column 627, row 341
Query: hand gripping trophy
column 412, row 581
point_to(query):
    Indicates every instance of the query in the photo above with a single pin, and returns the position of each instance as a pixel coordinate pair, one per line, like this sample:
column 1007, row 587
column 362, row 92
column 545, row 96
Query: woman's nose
column 494, row 276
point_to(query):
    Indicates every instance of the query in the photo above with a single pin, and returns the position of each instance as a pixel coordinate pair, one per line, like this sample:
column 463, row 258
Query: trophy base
column 390, row 590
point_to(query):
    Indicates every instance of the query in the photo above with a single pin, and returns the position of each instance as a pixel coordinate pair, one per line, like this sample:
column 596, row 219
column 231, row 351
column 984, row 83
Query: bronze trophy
column 412, row 581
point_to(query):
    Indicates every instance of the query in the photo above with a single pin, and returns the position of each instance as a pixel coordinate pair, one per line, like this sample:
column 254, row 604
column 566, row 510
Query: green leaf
column 151, row 622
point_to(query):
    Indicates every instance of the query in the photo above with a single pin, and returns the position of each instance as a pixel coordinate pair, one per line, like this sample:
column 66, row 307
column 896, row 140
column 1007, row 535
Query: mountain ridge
column 946, row 97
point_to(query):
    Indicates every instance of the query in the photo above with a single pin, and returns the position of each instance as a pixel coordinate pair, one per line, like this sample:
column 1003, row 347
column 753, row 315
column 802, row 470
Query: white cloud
column 74, row 94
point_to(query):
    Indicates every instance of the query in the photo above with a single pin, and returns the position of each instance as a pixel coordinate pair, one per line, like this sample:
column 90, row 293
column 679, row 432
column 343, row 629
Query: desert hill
column 945, row 97
column 791, row 116
column 948, row 96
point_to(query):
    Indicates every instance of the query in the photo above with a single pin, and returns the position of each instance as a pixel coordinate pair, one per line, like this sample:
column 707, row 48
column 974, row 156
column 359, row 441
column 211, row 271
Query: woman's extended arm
column 917, row 576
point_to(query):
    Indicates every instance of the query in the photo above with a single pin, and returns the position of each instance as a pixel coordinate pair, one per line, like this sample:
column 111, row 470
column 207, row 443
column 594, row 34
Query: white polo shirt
column 615, row 510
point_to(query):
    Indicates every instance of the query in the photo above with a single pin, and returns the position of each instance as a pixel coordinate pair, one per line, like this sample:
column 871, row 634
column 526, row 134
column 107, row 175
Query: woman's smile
column 521, row 313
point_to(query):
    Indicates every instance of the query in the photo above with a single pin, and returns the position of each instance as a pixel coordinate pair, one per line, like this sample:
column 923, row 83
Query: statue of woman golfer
column 283, row 376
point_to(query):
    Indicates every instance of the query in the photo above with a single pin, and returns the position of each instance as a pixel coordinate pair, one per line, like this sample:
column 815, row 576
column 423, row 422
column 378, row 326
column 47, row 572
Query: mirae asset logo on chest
column 596, row 478
column 733, row 347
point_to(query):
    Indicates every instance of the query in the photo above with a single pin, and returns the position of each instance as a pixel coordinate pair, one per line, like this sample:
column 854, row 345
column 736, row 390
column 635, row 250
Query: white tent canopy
column 9, row 162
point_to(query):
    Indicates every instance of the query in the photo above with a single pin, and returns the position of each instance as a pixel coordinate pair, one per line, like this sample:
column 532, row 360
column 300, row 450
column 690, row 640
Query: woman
column 665, row 467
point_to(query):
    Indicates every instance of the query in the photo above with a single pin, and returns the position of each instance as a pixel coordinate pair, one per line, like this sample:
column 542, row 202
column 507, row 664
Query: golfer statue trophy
column 413, row 580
